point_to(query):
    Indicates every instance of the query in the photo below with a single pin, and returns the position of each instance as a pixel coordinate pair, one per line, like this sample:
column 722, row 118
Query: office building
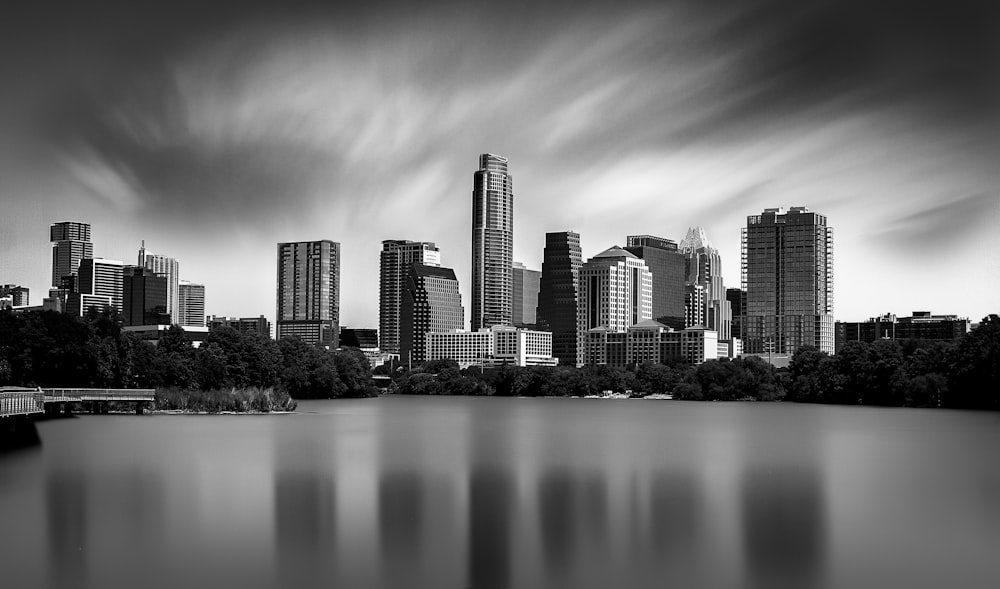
column 308, row 292
column 737, row 298
column 524, row 299
column 616, row 292
column 492, row 243
column 649, row 342
column 394, row 265
column 787, row 272
column 79, row 304
column 359, row 337
column 703, row 267
column 431, row 302
column 496, row 346
column 70, row 244
column 257, row 325
column 921, row 325
column 668, row 268
column 190, row 304
column 168, row 268
column 144, row 297
column 102, row 277
column 18, row 294
column 558, row 293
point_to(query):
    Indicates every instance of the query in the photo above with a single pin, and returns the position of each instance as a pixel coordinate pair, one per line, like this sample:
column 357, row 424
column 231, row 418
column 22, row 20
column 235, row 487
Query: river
column 491, row 492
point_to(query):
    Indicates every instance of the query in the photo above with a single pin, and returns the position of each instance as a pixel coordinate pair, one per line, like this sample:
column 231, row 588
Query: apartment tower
column 190, row 304
column 492, row 243
column 168, row 268
column 71, row 243
column 308, row 292
column 787, row 273
column 558, row 293
column 394, row 266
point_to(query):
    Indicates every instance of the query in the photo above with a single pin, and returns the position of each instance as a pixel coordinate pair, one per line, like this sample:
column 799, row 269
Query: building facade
column 496, row 346
column 492, row 243
column 168, row 268
column 703, row 267
column 559, row 293
column 70, row 244
column 737, row 298
column 649, row 342
column 394, row 266
column 524, row 298
column 144, row 297
column 616, row 292
column 667, row 266
column 431, row 302
column 19, row 295
column 308, row 291
column 921, row 325
column 787, row 270
column 190, row 304
column 102, row 277
column 258, row 325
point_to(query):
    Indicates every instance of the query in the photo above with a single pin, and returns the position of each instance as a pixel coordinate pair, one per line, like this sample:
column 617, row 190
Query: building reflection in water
column 675, row 526
column 490, row 512
column 784, row 526
column 556, row 517
column 66, row 508
column 400, row 517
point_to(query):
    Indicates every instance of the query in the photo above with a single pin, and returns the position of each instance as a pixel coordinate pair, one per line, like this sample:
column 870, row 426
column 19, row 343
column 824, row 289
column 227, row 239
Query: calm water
column 481, row 493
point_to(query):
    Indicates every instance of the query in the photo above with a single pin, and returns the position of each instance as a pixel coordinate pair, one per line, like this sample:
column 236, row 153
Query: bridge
column 22, row 401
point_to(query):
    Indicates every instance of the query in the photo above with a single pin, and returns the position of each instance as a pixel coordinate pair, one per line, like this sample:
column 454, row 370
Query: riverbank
column 250, row 400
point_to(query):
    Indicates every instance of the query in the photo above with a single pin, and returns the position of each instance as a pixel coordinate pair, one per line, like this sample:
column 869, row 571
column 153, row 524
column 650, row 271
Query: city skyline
column 214, row 138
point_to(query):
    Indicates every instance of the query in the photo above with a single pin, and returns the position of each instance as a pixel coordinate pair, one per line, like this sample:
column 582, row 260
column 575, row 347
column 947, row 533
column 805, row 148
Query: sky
column 215, row 132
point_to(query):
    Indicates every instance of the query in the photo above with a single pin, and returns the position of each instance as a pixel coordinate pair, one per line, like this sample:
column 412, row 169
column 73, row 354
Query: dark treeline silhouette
column 963, row 373
column 50, row 349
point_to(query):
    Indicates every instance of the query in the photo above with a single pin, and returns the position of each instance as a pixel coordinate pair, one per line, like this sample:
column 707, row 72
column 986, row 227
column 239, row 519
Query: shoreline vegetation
column 248, row 373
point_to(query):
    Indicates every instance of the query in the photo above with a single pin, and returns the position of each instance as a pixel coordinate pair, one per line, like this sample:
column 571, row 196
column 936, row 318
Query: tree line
column 963, row 373
column 55, row 350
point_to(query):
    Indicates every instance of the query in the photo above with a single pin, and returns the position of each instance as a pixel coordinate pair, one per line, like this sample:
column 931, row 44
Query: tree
column 975, row 368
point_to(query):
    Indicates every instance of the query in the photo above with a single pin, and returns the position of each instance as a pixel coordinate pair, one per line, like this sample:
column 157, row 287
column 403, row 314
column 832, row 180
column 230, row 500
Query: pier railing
column 21, row 401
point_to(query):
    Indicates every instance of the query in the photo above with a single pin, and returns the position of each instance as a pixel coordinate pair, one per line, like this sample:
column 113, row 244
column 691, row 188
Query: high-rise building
column 667, row 265
column 190, row 304
column 144, row 297
column 616, row 292
column 524, row 302
column 558, row 293
column 431, row 302
column 394, row 263
column 703, row 267
column 492, row 243
column 787, row 270
column 102, row 277
column 18, row 294
column 308, row 291
column 71, row 243
column 169, row 268
column 737, row 298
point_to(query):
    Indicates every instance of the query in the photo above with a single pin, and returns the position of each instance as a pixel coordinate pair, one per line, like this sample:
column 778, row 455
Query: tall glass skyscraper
column 558, row 293
column 431, row 302
column 492, row 242
column 309, row 291
column 71, row 243
column 168, row 268
column 394, row 264
column 667, row 265
column 787, row 272
column 703, row 267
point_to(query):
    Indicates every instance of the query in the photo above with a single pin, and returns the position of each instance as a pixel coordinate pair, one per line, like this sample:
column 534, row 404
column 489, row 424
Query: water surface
column 485, row 492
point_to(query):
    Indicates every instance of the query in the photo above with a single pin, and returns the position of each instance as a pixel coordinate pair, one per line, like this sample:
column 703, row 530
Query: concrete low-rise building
column 649, row 341
column 496, row 346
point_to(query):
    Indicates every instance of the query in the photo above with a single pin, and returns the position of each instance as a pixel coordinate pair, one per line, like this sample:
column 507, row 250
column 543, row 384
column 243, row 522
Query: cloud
column 944, row 226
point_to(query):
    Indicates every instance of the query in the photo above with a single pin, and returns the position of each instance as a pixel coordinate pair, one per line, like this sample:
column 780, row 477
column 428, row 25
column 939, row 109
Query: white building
column 501, row 344
column 616, row 292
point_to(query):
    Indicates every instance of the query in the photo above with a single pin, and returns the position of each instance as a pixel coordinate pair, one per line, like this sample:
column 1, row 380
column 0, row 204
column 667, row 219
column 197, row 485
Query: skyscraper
column 431, row 302
column 71, row 243
column 558, row 293
column 190, row 304
column 667, row 266
column 308, row 292
column 168, row 268
column 524, row 300
column 788, row 278
column 703, row 267
column 394, row 264
column 102, row 277
column 492, row 242
column 616, row 292
column 144, row 297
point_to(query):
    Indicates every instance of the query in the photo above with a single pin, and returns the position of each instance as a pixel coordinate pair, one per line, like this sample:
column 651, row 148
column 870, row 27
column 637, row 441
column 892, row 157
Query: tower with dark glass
column 558, row 293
